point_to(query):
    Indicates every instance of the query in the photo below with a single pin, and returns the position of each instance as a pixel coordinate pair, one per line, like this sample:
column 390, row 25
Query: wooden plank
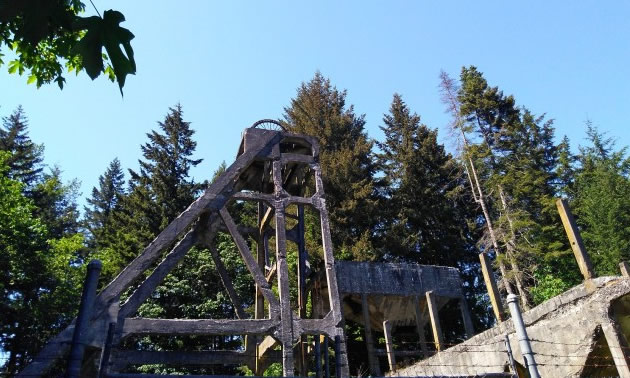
column 146, row 288
column 329, row 263
column 250, row 262
column 369, row 340
column 227, row 282
column 577, row 245
column 286, row 314
column 438, row 337
column 296, row 158
column 179, row 358
column 213, row 198
column 147, row 326
column 389, row 345
column 491, row 286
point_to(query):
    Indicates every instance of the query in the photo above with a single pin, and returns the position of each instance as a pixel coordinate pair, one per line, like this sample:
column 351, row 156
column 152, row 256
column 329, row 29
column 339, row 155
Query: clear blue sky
column 231, row 63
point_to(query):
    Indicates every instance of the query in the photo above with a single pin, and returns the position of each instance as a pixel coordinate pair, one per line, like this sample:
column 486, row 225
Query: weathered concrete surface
column 570, row 337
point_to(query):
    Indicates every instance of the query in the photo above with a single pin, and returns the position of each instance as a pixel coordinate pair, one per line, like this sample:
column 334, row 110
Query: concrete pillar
column 618, row 348
column 491, row 286
column 468, row 325
column 577, row 245
column 625, row 268
column 389, row 345
column 369, row 340
column 438, row 338
column 420, row 328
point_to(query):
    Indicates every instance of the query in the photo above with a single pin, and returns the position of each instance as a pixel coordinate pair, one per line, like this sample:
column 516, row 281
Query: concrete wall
column 565, row 330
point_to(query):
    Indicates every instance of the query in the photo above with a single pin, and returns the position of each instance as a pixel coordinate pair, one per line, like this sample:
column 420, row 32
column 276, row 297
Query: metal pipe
column 77, row 348
column 521, row 332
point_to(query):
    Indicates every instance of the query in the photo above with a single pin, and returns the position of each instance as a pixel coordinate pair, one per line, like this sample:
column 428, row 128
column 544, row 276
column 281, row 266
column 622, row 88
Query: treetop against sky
column 230, row 64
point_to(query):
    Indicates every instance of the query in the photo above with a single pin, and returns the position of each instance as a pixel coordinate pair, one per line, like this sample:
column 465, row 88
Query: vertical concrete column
column 625, row 268
column 468, row 325
column 438, row 338
column 617, row 348
column 389, row 345
column 369, row 340
column 577, row 245
column 523, row 340
column 491, row 286
column 420, row 327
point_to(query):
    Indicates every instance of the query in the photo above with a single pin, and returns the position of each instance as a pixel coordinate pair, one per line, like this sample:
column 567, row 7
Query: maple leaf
column 106, row 32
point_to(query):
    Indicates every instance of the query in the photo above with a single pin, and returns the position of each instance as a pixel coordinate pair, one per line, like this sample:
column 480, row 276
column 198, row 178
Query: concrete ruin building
column 278, row 173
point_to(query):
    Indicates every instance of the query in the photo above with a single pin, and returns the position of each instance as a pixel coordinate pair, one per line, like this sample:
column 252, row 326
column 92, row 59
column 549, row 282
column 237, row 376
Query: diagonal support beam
column 250, row 261
column 227, row 281
column 143, row 292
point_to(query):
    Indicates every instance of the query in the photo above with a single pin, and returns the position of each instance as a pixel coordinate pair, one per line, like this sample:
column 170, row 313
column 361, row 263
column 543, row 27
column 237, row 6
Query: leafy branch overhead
column 46, row 35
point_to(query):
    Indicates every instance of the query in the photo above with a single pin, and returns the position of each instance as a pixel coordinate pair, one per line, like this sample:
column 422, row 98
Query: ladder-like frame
column 266, row 161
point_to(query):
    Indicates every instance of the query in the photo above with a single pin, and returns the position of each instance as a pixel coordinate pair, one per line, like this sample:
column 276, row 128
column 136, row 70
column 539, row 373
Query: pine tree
column 164, row 173
column 426, row 222
column 105, row 200
column 319, row 109
column 602, row 201
column 25, row 162
column 517, row 158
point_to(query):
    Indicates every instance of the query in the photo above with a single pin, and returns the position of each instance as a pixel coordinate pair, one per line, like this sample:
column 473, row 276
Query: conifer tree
column 164, row 174
column 105, row 200
column 426, row 215
column 319, row 109
column 25, row 162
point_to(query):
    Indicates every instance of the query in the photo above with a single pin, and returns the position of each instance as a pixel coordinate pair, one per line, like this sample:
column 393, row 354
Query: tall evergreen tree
column 516, row 158
column 426, row 212
column 319, row 109
column 164, row 173
column 26, row 160
column 105, row 200
column 602, row 201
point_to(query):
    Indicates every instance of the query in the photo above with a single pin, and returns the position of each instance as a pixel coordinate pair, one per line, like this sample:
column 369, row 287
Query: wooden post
column 491, row 286
column 618, row 348
column 318, row 357
column 438, row 338
column 625, row 268
column 369, row 340
column 389, row 345
column 302, row 294
column 584, row 262
column 468, row 325
column 260, row 259
column 420, row 327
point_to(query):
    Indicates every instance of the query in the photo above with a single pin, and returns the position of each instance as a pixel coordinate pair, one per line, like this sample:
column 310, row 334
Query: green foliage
column 425, row 208
column 25, row 161
column 46, row 33
column 347, row 162
column 601, row 202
